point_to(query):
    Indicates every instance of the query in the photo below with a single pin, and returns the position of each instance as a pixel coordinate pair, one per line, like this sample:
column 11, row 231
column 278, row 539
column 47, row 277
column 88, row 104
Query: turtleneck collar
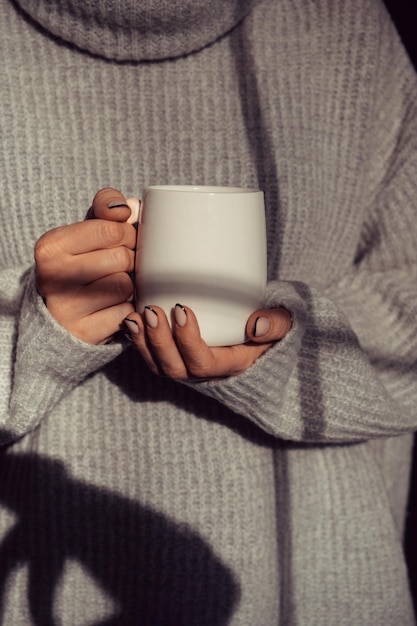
column 138, row 30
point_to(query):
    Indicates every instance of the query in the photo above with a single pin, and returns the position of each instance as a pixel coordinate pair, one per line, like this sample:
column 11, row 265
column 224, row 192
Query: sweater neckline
column 138, row 30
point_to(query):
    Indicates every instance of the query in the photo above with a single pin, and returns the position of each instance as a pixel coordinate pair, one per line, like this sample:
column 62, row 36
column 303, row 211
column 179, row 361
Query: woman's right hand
column 83, row 269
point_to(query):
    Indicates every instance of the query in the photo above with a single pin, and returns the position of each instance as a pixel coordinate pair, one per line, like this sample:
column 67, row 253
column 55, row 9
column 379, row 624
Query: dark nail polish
column 180, row 315
column 151, row 317
column 132, row 325
column 115, row 204
column 261, row 326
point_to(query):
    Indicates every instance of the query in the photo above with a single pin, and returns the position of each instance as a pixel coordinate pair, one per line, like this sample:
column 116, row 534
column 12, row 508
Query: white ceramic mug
column 204, row 247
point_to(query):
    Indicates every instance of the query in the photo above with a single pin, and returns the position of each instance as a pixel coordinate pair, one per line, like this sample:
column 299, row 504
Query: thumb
column 111, row 204
column 268, row 325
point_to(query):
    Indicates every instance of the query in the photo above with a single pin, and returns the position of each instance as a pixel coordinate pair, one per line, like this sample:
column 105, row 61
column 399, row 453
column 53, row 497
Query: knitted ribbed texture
column 265, row 498
column 138, row 30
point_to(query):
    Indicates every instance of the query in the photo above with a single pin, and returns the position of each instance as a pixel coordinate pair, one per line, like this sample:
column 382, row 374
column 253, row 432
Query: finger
column 100, row 327
column 109, row 204
column 269, row 325
column 82, row 237
column 156, row 344
column 83, row 269
column 154, row 341
column 136, row 333
column 189, row 357
column 162, row 344
column 74, row 303
column 198, row 357
column 102, row 294
column 204, row 362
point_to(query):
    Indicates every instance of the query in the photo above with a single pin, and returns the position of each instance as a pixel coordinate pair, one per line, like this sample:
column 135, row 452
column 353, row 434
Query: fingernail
column 132, row 325
column 115, row 204
column 151, row 317
column 180, row 315
column 261, row 326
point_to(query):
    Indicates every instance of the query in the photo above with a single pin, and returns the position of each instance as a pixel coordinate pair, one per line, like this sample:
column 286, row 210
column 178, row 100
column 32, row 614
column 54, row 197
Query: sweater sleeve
column 40, row 362
column 326, row 383
column 348, row 369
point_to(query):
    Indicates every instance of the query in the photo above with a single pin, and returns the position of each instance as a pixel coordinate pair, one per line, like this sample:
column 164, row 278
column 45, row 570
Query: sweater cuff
column 49, row 363
column 261, row 391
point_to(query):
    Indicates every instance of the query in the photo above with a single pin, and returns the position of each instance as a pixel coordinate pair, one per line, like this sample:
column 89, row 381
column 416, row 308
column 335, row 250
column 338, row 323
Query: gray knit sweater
column 274, row 497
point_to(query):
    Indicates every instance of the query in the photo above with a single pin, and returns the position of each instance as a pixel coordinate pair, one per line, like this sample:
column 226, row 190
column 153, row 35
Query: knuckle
column 122, row 258
column 201, row 369
column 48, row 258
column 177, row 372
column 44, row 250
column 110, row 233
column 122, row 286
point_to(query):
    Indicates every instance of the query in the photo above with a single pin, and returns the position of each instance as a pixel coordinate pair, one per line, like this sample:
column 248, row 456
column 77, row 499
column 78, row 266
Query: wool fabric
column 277, row 496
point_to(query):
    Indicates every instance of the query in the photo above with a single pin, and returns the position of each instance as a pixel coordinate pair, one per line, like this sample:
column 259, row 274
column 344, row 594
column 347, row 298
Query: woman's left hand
column 182, row 354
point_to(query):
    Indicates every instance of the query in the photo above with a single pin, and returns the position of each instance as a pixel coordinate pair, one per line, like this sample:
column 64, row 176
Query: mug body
column 204, row 247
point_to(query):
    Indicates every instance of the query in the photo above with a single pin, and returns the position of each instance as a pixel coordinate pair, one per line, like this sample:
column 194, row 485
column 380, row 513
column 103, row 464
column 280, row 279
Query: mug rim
column 208, row 189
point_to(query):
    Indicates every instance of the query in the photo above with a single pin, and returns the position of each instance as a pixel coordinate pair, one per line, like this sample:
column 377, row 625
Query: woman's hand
column 181, row 353
column 83, row 269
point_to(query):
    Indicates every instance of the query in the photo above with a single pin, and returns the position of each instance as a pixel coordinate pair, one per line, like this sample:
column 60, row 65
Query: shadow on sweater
column 155, row 571
column 264, row 153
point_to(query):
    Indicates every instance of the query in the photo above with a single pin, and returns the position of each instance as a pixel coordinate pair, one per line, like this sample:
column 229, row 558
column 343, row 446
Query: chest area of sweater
column 72, row 128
